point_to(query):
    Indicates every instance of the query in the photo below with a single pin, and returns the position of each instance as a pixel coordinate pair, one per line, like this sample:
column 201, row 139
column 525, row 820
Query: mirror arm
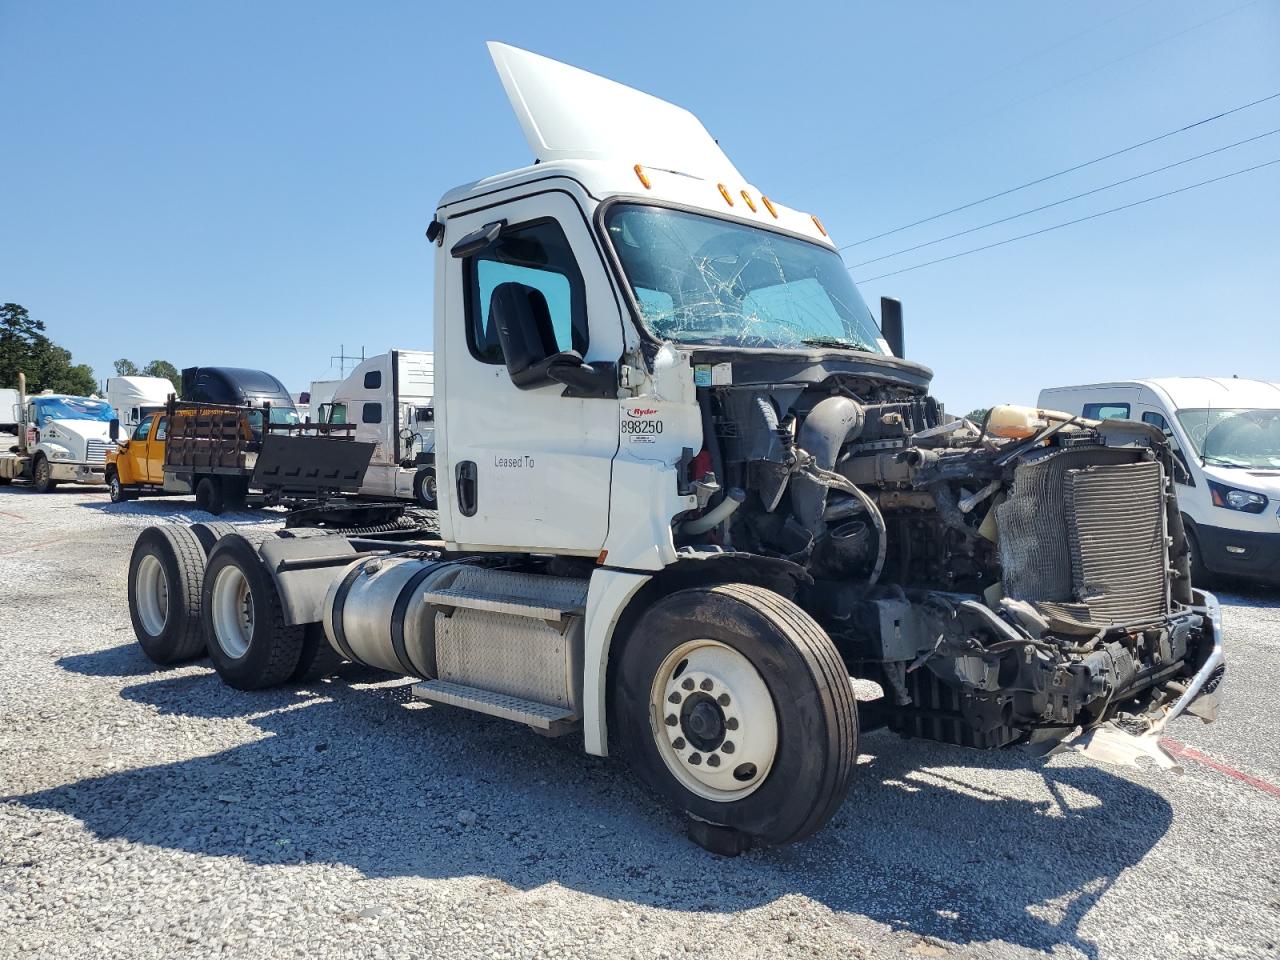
column 587, row 381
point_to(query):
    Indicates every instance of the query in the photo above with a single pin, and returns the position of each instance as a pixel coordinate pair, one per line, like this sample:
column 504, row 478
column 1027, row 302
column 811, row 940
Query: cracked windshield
column 702, row 280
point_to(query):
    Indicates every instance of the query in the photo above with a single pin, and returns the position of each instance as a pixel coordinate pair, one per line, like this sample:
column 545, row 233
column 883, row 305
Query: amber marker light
column 747, row 197
column 818, row 223
column 643, row 179
column 724, row 192
column 768, row 205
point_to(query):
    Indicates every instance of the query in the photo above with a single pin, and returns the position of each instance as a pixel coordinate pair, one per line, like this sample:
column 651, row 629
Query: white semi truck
column 132, row 398
column 61, row 439
column 690, row 491
column 389, row 400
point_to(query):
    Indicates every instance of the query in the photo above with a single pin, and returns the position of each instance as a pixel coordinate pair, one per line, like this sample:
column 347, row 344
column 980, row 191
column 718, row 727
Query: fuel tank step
column 550, row 720
column 515, row 594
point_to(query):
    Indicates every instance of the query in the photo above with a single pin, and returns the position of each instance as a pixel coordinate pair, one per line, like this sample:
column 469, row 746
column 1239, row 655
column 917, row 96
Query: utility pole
column 342, row 357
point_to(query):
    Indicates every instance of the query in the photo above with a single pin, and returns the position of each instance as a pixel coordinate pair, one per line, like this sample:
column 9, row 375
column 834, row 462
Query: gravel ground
column 156, row 813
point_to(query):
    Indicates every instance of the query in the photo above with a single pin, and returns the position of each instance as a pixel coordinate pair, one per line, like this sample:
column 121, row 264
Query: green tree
column 126, row 368
column 163, row 368
column 25, row 347
column 977, row 416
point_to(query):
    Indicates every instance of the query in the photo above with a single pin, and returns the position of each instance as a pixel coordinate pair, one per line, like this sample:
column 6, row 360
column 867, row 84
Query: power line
column 1060, row 173
column 1059, row 226
column 1058, row 203
column 1092, row 70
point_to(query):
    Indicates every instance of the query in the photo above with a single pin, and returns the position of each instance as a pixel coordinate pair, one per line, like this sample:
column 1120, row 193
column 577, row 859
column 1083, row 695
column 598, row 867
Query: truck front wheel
column 119, row 493
column 733, row 705
column 42, row 474
column 249, row 643
column 424, row 487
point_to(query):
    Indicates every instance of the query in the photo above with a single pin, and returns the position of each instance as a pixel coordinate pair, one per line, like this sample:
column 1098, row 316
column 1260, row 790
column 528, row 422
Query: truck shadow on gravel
column 964, row 846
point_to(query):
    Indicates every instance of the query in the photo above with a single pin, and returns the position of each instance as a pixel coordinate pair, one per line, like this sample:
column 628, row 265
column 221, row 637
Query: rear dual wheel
column 166, row 571
column 250, row 643
column 732, row 704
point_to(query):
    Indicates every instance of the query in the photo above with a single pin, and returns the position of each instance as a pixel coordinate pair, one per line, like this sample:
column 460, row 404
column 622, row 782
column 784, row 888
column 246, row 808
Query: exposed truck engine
column 1000, row 589
column 692, row 494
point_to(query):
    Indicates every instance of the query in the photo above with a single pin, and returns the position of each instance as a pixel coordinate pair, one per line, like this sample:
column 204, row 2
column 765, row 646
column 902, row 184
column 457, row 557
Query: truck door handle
column 467, row 493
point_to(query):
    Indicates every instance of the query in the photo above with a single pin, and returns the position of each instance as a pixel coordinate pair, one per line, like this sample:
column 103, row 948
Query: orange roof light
column 818, row 223
column 747, row 197
column 724, row 192
column 768, row 205
column 643, row 179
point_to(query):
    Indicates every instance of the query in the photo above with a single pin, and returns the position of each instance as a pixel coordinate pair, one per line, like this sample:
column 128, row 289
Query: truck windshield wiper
column 835, row 342
column 1220, row 462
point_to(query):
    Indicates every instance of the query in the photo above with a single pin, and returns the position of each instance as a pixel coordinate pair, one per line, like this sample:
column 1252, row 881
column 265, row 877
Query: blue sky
column 248, row 183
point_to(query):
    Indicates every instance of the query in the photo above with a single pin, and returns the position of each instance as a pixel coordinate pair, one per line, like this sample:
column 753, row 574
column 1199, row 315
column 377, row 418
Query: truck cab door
column 525, row 468
column 155, row 450
column 132, row 462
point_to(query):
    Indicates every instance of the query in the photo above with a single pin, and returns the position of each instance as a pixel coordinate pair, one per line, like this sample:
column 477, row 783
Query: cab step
column 551, row 720
column 528, row 595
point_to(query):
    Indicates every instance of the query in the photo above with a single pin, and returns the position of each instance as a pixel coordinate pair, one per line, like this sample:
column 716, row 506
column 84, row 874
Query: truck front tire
column 42, row 475
column 732, row 704
column 249, row 643
column 166, row 572
column 119, row 493
column 424, row 487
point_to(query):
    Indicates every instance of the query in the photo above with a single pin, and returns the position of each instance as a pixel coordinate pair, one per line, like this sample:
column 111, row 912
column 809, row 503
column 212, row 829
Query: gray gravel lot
column 151, row 813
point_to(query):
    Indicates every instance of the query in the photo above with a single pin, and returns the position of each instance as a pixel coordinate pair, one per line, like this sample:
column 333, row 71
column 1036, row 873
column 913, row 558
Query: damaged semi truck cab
column 688, row 493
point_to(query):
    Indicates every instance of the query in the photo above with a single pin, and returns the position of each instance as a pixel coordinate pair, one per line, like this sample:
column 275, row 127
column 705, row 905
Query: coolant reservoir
column 1014, row 422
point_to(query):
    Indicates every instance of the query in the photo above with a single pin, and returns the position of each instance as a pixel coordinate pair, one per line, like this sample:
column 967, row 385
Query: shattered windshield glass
column 702, row 280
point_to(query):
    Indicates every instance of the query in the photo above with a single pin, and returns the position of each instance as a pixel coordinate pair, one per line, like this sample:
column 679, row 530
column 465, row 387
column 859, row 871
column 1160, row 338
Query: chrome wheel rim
column 152, row 590
column 713, row 720
column 233, row 613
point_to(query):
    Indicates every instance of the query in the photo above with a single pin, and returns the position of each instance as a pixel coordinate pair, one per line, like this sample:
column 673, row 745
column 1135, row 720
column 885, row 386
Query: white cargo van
column 1226, row 432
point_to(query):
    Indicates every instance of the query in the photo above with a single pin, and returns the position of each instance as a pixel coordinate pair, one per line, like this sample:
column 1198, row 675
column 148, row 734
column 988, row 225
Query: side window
column 162, row 429
column 373, row 380
column 143, row 430
column 338, row 413
column 372, row 413
column 537, row 255
column 1106, row 411
column 1157, row 420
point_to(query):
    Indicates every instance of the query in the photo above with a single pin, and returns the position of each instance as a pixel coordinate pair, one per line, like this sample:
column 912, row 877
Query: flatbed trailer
column 231, row 456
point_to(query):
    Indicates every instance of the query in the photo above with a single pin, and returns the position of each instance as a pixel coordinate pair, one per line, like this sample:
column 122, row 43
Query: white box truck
column 9, row 403
column 389, row 399
column 1225, row 433
column 686, row 495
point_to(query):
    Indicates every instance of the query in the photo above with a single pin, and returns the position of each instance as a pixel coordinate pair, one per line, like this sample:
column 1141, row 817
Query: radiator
column 1082, row 535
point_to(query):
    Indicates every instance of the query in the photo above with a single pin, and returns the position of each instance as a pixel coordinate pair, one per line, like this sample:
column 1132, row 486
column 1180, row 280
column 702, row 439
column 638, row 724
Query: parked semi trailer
column 689, row 490
column 60, row 439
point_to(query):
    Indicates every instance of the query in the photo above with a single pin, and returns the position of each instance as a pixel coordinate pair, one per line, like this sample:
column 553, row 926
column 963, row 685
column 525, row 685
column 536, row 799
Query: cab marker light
column 643, row 179
column 768, row 205
column 724, row 192
column 747, row 197
column 818, row 223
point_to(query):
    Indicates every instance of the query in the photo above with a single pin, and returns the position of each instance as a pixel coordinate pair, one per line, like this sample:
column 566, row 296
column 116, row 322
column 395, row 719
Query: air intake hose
column 831, row 424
